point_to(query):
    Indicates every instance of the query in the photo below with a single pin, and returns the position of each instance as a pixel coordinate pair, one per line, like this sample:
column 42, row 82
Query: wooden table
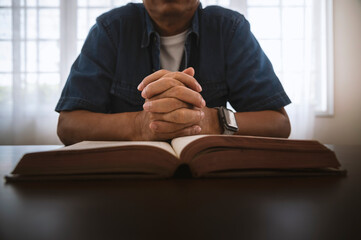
column 246, row 208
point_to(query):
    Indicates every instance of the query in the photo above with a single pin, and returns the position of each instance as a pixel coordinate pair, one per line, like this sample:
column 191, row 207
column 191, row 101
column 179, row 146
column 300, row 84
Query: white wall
column 345, row 126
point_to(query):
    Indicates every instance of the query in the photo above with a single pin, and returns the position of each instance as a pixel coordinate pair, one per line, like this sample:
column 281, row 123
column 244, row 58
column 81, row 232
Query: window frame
column 329, row 101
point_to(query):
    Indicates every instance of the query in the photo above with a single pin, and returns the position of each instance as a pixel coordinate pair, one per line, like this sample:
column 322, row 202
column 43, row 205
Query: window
column 40, row 39
column 297, row 37
column 29, row 59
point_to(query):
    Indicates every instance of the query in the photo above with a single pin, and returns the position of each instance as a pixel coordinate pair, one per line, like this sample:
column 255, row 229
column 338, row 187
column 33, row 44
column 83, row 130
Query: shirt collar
column 149, row 29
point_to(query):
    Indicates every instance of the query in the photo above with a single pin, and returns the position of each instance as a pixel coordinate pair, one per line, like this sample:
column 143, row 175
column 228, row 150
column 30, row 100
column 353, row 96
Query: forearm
column 264, row 123
column 261, row 123
column 80, row 125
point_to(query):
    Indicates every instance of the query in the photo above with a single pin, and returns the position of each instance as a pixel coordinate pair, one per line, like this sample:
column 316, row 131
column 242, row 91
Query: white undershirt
column 171, row 51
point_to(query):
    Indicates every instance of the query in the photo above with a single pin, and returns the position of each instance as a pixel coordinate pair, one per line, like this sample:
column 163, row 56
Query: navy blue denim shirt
column 123, row 48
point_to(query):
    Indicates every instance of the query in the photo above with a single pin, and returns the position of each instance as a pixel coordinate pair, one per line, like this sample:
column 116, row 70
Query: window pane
column 5, row 93
column 22, row 54
column 48, row 85
column 5, row 24
column 49, row 3
column 31, row 3
column 99, row 3
column 6, row 80
column 293, row 23
column 320, row 92
column 293, row 55
column 6, row 57
column 82, row 3
column 5, row 3
column 31, row 29
column 31, row 56
column 49, row 56
column 49, row 79
column 22, row 24
column 83, row 27
column 265, row 22
column 263, row 2
column 49, row 23
column 293, row 2
column 31, row 80
column 30, row 93
column 294, row 86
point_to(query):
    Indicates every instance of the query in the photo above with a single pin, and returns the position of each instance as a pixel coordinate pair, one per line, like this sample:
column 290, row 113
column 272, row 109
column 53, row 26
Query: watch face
column 230, row 119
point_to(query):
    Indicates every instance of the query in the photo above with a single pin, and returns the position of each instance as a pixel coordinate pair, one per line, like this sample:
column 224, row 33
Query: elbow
column 63, row 129
column 284, row 129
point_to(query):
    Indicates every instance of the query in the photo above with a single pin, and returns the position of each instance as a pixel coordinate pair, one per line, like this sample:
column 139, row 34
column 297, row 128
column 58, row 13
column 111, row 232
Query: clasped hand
column 173, row 105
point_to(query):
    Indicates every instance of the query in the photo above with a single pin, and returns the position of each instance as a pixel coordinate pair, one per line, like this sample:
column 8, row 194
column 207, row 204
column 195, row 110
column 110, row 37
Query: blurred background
column 314, row 45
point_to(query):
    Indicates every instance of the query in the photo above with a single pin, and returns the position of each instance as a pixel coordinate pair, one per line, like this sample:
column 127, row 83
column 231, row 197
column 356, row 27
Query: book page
column 180, row 143
column 104, row 144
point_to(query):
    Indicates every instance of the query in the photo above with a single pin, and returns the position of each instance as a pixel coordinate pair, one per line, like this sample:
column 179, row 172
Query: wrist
column 211, row 122
column 135, row 127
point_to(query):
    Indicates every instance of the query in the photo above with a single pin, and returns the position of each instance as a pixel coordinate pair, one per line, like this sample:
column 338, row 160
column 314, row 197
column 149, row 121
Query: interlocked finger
column 160, row 86
column 184, row 94
column 184, row 78
column 164, row 105
column 181, row 116
column 151, row 78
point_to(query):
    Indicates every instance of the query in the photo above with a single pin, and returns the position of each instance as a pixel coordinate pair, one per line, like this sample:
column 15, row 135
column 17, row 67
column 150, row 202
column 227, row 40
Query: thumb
column 189, row 71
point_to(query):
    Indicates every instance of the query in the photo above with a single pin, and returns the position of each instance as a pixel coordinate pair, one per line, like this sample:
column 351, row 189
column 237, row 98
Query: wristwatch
column 227, row 120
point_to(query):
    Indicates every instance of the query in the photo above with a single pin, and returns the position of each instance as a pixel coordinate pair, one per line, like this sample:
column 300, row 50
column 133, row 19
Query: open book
column 200, row 156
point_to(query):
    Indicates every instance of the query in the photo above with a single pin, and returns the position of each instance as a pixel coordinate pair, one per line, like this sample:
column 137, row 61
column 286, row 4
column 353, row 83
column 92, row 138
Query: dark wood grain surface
column 245, row 208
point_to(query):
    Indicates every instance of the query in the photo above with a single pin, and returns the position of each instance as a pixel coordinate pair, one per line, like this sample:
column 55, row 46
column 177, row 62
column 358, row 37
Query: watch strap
column 227, row 129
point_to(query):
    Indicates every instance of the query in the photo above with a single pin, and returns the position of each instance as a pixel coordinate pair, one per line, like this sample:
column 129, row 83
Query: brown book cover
column 203, row 156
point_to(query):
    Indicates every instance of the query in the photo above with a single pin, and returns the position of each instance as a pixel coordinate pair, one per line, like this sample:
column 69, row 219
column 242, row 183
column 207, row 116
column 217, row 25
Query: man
column 124, row 84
